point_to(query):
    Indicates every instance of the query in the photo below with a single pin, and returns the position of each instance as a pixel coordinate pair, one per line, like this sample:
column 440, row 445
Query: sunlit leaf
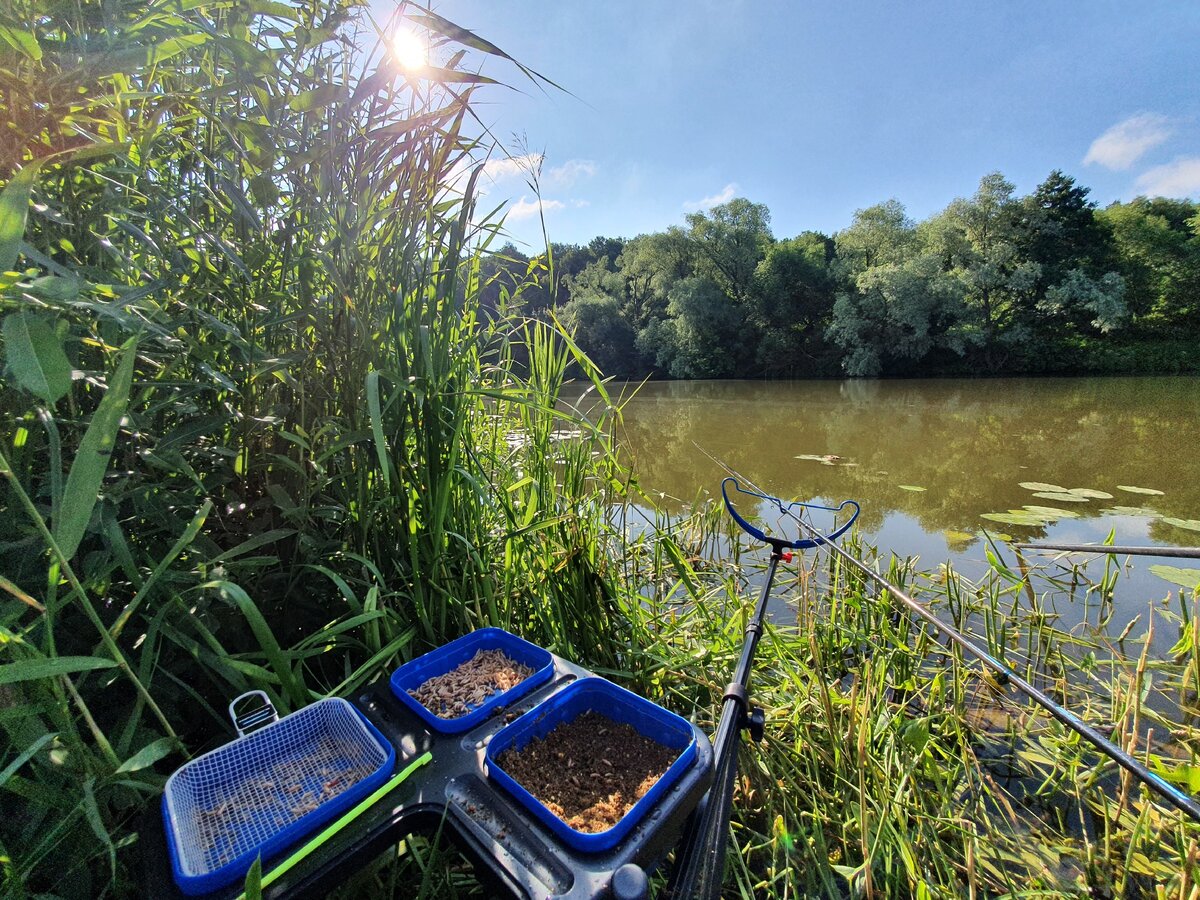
column 36, row 357
column 1029, row 520
column 1052, row 511
column 1060, row 497
column 24, row 42
column 1090, row 493
column 1042, row 486
column 958, row 537
column 33, row 669
column 1139, row 490
column 910, row 487
column 148, row 755
column 91, row 460
column 165, row 50
column 1188, row 578
column 14, row 208
column 1189, row 524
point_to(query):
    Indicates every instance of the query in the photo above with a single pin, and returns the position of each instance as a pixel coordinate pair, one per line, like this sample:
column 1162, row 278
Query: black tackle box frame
column 513, row 853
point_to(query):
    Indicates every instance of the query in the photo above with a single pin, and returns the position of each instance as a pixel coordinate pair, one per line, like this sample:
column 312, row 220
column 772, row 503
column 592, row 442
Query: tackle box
column 515, row 854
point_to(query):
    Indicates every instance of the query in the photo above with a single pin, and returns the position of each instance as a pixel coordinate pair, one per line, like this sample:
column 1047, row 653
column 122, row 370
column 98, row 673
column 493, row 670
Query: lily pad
column 1028, row 519
column 1138, row 490
column 1090, row 493
column 1061, row 498
column 1189, row 524
column 1127, row 511
column 910, row 487
column 1043, row 486
column 958, row 537
column 1052, row 512
column 1188, row 578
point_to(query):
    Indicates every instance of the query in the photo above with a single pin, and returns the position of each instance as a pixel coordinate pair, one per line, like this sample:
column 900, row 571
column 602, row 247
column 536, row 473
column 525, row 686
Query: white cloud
column 1180, row 178
column 571, row 171
column 726, row 194
column 509, row 166
column 1126, row 142
column 524, row 208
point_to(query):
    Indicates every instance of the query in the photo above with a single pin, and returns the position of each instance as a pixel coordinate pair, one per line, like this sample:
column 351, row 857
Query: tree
column 602, row 332
column 705, row 335
column 977, row 241
column 1056, row 228
column 730, row 241
column 792, row 300
column 1157, row 248
column 651, row 264
column 879, row 235
column 898, row 303
column 897, row 315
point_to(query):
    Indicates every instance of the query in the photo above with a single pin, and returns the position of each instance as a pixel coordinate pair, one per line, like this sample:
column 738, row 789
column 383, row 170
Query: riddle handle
column 255, row 718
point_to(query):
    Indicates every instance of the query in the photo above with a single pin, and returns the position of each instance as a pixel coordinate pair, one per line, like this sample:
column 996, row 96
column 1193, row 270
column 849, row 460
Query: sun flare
column 409, row 49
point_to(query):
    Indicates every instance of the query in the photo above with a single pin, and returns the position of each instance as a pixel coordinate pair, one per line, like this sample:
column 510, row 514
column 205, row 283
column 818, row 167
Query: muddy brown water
column 927, row 459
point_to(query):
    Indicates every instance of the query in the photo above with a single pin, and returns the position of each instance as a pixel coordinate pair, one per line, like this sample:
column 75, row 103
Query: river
column 934, row 463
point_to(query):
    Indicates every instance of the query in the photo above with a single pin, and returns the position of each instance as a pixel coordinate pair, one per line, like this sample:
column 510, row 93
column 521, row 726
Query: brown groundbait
column 590, row 771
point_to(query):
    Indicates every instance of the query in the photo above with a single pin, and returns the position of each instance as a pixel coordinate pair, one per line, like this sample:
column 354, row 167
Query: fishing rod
column 1117, row 550
column 700, row 861
column 1175, row 797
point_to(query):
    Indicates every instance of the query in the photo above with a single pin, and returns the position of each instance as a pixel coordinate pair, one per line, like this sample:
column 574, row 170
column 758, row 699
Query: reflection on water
column 926, row 459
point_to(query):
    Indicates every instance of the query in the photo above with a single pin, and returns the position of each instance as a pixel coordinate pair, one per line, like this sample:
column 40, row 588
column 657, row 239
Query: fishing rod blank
column 1177, row 798
column 1176, row 552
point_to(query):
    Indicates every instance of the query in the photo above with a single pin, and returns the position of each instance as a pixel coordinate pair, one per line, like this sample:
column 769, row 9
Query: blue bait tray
column 263, row 791
column 412, row 675
column 612, row 702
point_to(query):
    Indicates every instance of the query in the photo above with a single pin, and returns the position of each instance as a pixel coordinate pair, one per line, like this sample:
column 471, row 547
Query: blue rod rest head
column 785, row 508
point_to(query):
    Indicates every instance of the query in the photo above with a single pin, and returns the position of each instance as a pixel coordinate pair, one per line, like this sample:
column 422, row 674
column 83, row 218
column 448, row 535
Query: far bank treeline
column 994, row 284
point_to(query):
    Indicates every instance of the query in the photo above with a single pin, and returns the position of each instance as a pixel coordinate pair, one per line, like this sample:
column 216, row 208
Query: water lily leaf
column 1090, row 493
column 1061, row 497
column 1138, row 490
column 1127, row 511
column 910, row 487
column 1189, row 524
column 1043, row 486
column 1027, row 519
column 1188, row 578
column 1052, row 512
column 957, row 537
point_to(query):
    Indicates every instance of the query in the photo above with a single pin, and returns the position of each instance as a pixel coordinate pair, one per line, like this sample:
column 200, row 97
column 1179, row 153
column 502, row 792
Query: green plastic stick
column 396, row 780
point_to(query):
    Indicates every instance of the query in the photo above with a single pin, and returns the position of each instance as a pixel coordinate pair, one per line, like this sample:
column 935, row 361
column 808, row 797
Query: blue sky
column 819, row 109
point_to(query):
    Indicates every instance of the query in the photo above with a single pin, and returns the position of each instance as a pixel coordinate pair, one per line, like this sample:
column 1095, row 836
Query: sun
column 409, row 49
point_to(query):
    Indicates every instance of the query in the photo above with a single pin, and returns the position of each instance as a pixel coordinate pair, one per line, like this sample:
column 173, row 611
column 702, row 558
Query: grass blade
column 91, row 461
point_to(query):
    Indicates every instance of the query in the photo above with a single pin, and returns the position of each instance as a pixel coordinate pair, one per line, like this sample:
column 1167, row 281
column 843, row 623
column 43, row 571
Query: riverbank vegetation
column 996, row 283
column 264, row 427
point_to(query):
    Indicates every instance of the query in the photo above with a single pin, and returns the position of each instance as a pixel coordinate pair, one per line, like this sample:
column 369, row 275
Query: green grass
column 257, row 433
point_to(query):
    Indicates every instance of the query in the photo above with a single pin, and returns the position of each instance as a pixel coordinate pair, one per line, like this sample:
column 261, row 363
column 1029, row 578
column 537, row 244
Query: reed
column 258, row 433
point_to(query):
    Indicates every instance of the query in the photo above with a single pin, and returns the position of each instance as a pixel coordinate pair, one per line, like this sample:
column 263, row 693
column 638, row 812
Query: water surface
column 927, row 459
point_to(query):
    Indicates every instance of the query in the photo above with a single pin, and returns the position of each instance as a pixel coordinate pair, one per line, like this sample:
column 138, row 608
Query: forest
column 994, row 284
